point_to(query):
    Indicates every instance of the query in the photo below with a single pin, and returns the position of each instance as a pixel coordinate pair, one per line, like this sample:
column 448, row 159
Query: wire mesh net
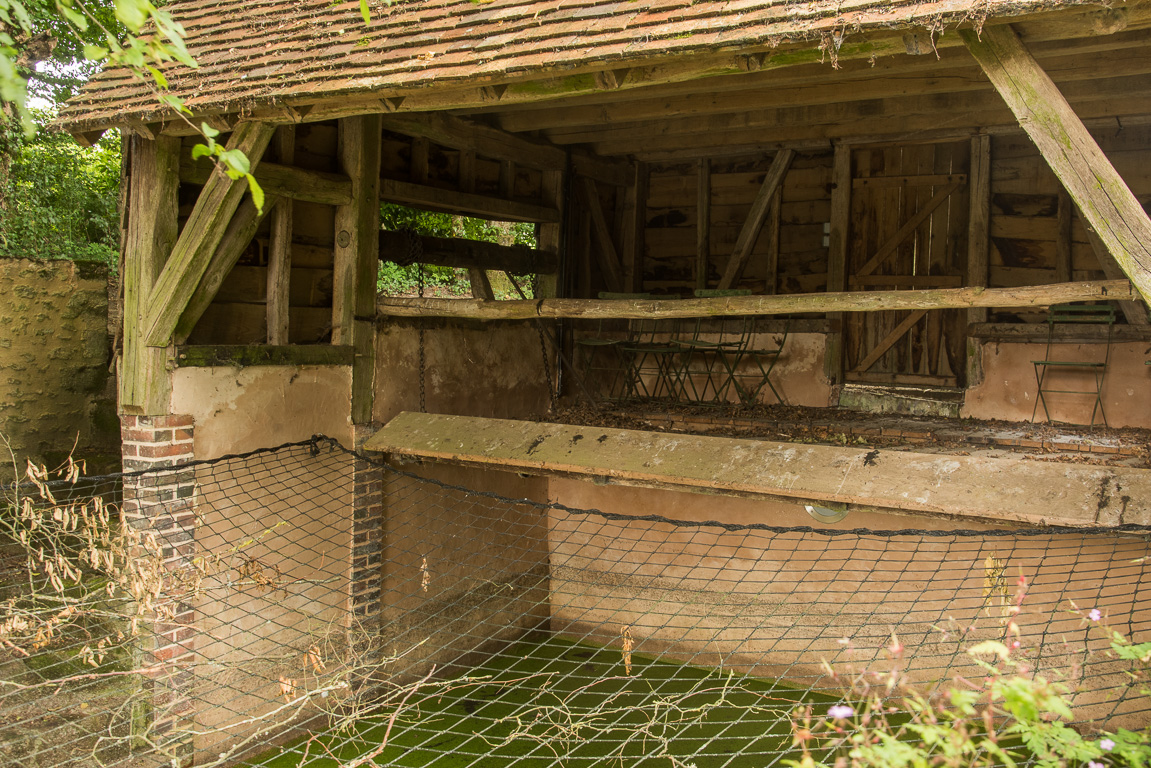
column 304, row 606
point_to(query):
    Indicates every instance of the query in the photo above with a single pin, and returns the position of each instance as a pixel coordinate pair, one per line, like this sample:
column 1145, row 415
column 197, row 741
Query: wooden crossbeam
column 457, row 252
column 1106, row 203
column 862, row 301
column 241, row 229
column 606, row 252
column 202, row 232
column 494, row 143
column 451, row 201
column 893, row 242
column 889, row 340
column 282, row 180
column 755, row 218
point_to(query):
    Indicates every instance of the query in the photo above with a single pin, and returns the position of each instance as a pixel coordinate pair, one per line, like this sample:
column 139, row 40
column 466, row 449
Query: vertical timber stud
column 703, row 223
column 551, row 235
column 978, row 245
column 280, row 247
column 151, row 234
column 357, row 256
column 837, row 260
column 1106, row 203
column 633, row 241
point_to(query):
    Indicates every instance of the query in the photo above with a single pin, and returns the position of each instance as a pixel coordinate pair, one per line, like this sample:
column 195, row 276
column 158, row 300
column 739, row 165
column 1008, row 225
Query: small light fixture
column 826, row 514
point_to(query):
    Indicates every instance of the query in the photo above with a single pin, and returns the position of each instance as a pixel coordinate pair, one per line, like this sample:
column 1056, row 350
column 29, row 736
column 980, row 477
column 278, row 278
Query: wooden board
column 966, row 486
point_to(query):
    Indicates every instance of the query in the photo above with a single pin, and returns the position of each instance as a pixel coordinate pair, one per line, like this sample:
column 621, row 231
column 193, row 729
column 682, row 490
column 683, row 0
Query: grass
column 559, row 702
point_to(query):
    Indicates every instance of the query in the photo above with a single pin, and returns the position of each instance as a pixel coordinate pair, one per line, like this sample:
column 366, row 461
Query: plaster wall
column 56, row 391
column 470, row 369
column 295, row 513
column 776, row 605
column 1008, row 388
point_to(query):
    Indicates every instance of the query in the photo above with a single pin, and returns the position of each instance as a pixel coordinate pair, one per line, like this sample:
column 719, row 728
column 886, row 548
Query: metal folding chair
column 1063, row 316
column 605, row 365
column 756, row 364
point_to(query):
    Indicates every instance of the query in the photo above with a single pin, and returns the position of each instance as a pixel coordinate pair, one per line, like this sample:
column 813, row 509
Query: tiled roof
column 256, row 53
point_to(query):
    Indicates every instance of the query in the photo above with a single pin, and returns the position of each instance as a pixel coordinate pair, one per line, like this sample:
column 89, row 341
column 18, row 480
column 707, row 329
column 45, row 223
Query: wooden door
column 909, row 209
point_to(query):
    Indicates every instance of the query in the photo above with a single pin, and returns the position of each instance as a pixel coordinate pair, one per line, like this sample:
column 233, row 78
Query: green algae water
column 558, row 702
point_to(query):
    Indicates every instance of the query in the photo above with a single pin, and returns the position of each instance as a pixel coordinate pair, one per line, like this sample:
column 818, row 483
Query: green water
column 556, row 702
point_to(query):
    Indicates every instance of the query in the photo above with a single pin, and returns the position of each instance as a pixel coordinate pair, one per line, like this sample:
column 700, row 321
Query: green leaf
column 208, row 131
column 95, row 52
column 257, row 192
column 75, row 18
column 235, row 161
column 201, row 150
column 133, row 13
column 365, row 12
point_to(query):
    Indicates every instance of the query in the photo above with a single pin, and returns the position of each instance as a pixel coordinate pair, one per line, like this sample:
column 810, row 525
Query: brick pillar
column 163, row 502
column 367, row 534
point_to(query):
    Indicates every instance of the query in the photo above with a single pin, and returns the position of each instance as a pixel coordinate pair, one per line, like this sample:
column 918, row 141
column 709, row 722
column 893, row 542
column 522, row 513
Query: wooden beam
column 152, row 219
column 281, row 180
column 892, row 243
column 1106, row 203
column 202, row 232
column 357, row 257
column 486, row 141
column 606, row 252
column 280, row 248
column 1063, row 217
column 702, row 222
column 1043, row 493
column 418, row 169
column 551, row 235
column 979, row 220
column 837, row 247
column 451, row 201
column 889, row 340
column 634, row 227
column 779, row 304
column 237, row 237
column 481, row 286
column 1134, row 311
column 457, row 252
column 243, row 356
column 751, row 228
column 771, row 234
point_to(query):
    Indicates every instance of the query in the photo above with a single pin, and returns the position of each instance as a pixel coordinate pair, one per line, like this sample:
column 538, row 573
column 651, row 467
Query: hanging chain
column 543, row 345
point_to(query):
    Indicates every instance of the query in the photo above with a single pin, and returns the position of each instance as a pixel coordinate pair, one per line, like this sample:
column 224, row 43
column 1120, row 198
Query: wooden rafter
column 282, row 180
column 755, row 218
column 1106, row 203
column 451, row 201
column 202, row 232
column 859, row 301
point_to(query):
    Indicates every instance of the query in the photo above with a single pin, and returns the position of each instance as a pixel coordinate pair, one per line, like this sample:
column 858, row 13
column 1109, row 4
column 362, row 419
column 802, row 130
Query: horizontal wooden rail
column 858, row 301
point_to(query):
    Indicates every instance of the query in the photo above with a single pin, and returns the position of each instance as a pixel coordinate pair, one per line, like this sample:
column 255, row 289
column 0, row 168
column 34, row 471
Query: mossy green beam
column 1107, row 204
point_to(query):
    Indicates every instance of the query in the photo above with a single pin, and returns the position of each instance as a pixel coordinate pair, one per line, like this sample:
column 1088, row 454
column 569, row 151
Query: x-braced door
column 908, row 232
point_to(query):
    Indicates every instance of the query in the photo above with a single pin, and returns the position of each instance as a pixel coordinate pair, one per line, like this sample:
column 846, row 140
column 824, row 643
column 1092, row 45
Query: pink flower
column 840, row 712
column 1106, row 745
column 1094, row 614
column 1095, row 764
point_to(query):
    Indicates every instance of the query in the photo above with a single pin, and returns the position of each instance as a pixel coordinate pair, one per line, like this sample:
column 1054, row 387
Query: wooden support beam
column 467, row 171
column 208, row 356
column 418, row 170
column 451, row 201
column 771, row 234
column 507, row 179
column 550, row 235
column 1043, row 493
column 1134, row 311
column 202, row 232
column 634, row 227
column 152, row 219
column 606, row 252
column 280, row 248
column 281, row 180
column 889, row 340
column 892, row 243
column 837, row 245
column 780, row 304
column 457, row 252
column 241, row 229
column 1063, row 217
column 702, row 222
column 484, row 140
column 1106, row 203
column 979, row 220
column 357, row 257
column 759, row 208
column 481, row 286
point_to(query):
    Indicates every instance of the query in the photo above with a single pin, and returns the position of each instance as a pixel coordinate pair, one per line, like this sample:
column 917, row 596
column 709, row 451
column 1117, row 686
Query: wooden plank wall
column 1028, row 244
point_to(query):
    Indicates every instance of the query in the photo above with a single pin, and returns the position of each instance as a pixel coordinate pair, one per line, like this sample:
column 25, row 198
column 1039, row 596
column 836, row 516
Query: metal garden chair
column 1062, row 316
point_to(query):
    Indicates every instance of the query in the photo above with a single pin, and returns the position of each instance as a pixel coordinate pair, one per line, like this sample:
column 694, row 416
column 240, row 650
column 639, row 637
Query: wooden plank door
column 909, row 210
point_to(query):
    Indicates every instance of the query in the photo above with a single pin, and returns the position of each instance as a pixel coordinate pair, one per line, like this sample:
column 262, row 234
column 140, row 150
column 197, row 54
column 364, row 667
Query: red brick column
column 367, row 534
column 162, row 501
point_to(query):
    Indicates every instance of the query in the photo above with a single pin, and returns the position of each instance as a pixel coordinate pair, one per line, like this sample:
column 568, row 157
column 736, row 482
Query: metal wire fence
column 254, row 609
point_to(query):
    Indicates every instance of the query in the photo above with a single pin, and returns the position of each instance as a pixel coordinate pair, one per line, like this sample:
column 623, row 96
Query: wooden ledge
column 999, row 489
column 204, row 356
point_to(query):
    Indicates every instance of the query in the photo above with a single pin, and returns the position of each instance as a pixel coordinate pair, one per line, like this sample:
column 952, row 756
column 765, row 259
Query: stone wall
column 55, row 387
